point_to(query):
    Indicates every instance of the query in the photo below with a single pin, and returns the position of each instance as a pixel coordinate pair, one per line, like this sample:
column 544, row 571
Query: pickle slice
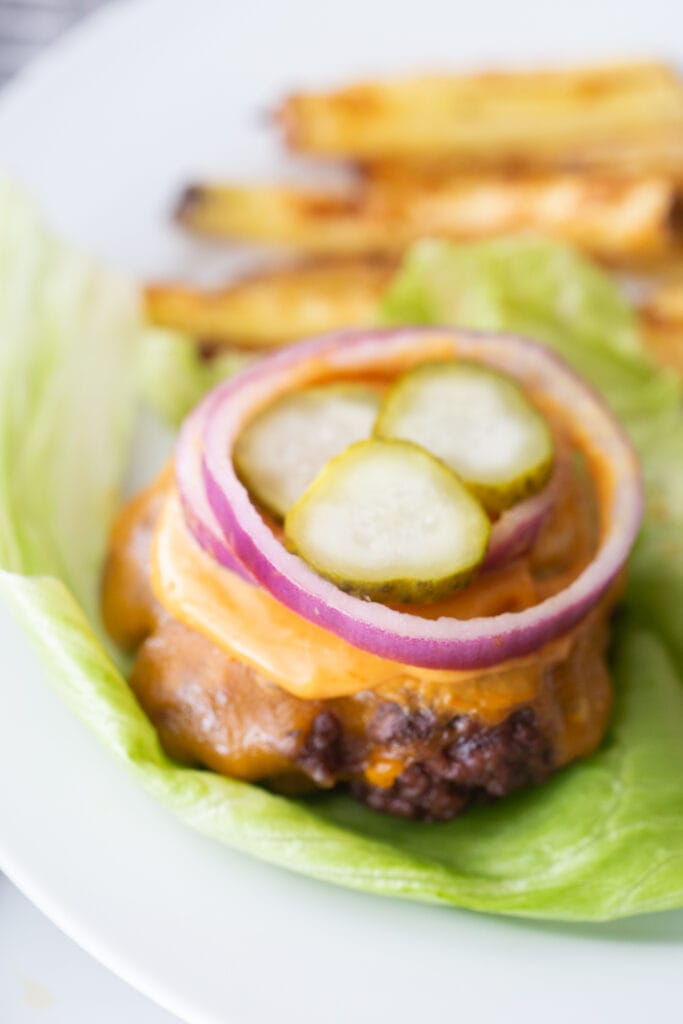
column 477, row 421
column 388, row 521
column 284, row 448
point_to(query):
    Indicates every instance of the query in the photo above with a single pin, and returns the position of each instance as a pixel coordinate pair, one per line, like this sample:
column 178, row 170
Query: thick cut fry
column 658, row 154
column 312, row 219
column 527, row 116
column 661, row 318
column 277, row 306
column 622, row 220
column 665, row 301
column 665, row 342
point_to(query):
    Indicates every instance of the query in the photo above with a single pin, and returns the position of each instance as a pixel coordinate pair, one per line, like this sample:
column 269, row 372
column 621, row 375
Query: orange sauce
column 250, row 625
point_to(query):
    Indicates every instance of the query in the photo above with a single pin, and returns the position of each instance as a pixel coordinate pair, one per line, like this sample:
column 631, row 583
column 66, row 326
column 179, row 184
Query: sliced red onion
column 198, row 514
column 514, row 533
column 444, row 643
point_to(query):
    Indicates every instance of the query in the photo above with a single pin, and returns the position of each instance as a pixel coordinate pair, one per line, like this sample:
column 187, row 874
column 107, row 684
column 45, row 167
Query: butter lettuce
column 604, row 838
column 174, row 376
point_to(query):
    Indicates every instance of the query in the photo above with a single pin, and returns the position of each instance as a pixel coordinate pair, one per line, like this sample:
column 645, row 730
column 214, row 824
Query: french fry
column 661, row 318
column 659, row 154
column 624, row 221
column 665, row 301
column 665, row 342
column 275, row 307
column 315, row 220
column 537, row 118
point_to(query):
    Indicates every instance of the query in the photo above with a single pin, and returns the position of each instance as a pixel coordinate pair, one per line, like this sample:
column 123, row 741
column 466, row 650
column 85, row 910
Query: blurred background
column 26, row 26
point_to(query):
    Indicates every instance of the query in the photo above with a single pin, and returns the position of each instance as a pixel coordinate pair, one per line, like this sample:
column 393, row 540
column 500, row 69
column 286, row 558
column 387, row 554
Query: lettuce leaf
column 68, row 337
column 541, row 289
column 601, row 840
column 173, row 375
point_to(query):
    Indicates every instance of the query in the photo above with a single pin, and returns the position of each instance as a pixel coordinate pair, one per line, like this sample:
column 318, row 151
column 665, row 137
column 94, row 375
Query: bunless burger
column 383, row 560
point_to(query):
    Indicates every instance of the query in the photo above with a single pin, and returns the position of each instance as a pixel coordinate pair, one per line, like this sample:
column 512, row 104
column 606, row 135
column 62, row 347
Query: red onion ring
column 444, row 643
column 197, row 512
column 515, row 531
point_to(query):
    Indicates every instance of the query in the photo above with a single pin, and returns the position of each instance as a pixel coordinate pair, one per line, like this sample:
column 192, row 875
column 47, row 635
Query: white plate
column 104, row 129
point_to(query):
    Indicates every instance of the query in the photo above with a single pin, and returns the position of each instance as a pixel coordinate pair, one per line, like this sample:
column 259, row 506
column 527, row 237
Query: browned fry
column 274, row 307
column 316, row 220
column 665, row 341
column 621, row 220
column 661, row 318
column 658, row 154
column 665, row 301
column 533, row 117
column 626, row 221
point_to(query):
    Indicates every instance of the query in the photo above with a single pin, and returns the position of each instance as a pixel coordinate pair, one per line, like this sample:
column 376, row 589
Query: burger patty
column 417, row 749
column 403, row 752
column 474, row 763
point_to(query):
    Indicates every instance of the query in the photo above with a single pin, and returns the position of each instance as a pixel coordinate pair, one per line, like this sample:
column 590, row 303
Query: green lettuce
column 603, row 839
column 174, row 376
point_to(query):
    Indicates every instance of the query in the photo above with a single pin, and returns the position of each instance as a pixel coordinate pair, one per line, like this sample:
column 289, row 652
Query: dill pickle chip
column 476, row 420
column 387, row 520
column 283, row 449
